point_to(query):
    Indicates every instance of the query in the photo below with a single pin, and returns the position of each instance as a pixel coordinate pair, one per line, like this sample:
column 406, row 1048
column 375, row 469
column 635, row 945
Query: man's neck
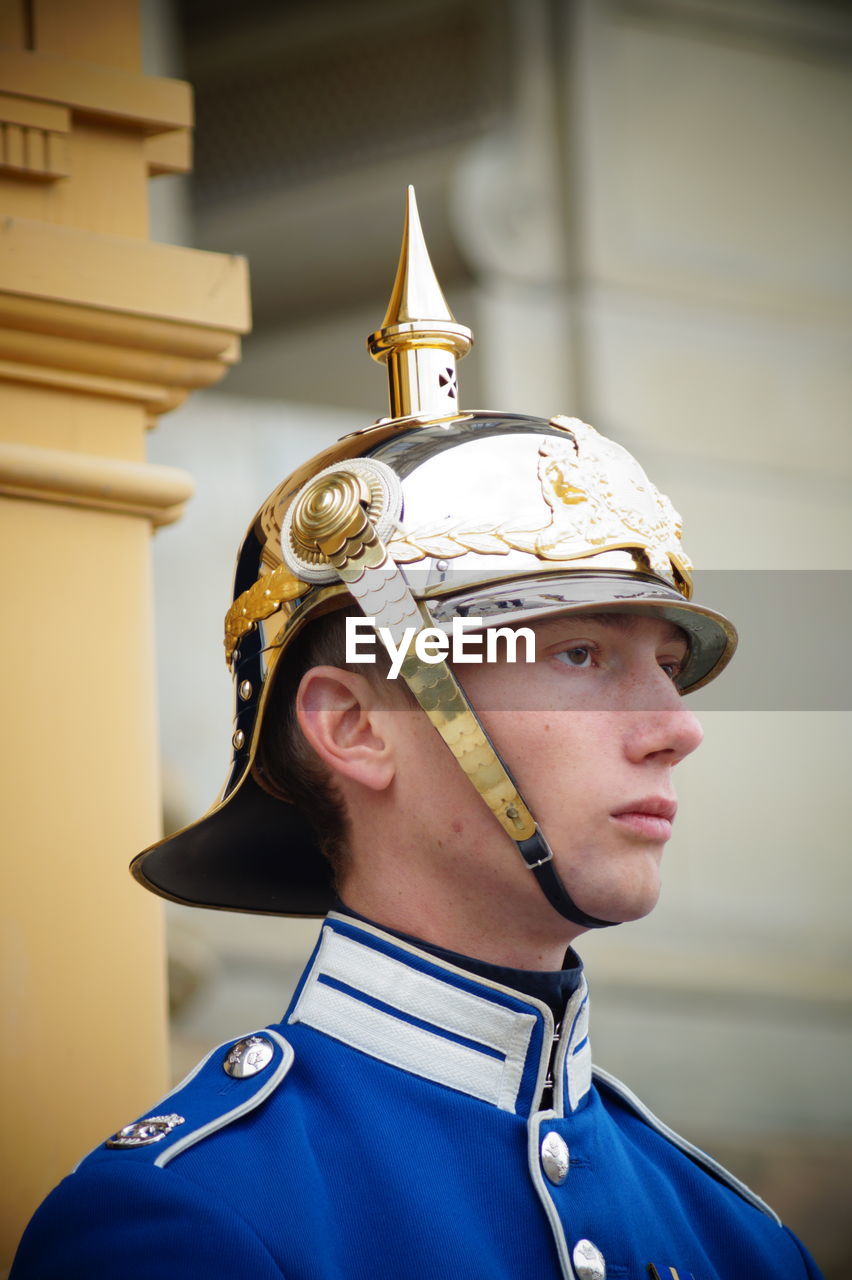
column 526, row 935
column 552, row 986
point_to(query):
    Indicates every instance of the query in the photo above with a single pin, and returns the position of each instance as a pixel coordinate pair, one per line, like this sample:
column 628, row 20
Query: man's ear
column 342, row 718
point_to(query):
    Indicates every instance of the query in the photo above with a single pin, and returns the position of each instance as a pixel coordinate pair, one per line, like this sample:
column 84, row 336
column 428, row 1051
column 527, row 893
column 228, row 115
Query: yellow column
column 100, row 332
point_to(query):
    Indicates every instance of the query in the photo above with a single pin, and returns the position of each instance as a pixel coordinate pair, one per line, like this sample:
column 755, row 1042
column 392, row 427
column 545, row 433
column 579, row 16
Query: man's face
column 591, row 732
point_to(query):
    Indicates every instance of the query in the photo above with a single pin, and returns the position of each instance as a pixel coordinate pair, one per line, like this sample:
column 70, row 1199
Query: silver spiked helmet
column 430, row 514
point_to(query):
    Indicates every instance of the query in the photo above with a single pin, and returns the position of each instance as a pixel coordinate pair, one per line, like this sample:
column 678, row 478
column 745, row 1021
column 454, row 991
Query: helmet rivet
column 238, row 740
column 245, row 690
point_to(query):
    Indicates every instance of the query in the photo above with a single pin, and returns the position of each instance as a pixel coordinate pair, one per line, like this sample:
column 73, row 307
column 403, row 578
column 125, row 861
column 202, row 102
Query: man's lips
column 651, row 817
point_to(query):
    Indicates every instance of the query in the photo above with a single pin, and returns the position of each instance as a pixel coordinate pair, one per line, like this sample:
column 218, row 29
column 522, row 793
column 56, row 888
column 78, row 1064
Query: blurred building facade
column 641, row 207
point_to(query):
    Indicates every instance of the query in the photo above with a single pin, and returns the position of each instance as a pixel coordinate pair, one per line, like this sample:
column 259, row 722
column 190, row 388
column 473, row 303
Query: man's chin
column 618, row 904
column 638, row 910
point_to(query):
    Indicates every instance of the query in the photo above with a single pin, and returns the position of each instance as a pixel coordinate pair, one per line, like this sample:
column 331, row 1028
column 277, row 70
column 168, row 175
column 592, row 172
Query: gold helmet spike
column 420, row 340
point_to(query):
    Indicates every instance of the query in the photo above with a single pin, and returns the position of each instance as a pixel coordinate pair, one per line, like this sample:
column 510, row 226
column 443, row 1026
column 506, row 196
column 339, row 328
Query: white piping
column 248, row 1104
column 400, row 1044
column 699, row 1156
column 428, row 998
column 364, row 927
column 578, row 1062
column 157, row 1106
column 534, row 1159
column 543, row 1009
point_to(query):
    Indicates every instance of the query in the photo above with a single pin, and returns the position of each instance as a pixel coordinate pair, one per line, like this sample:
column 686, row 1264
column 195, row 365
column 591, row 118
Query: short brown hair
column 286, row 763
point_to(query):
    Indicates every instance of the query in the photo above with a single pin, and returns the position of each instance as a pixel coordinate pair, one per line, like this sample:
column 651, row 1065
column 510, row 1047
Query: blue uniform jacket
column 395, row 1133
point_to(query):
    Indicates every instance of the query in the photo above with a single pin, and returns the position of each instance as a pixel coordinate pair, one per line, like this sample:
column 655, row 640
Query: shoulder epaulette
column 231, row 1081
column 695, row 1153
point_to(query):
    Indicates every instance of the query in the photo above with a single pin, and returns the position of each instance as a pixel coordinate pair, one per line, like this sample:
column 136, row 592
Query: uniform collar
column 554, row 987
column 424, row 1015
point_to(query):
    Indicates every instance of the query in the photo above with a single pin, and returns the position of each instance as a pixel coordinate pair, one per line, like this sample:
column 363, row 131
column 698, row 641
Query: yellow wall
column 100, row 331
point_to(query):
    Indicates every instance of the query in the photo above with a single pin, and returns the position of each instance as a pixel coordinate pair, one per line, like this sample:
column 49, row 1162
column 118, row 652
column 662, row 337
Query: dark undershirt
column 553, row 988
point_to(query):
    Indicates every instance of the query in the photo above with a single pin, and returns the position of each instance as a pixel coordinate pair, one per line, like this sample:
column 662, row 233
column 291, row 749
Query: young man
column 427, row 1106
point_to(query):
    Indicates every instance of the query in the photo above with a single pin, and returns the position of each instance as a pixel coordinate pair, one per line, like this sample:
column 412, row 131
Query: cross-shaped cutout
column 448, row 379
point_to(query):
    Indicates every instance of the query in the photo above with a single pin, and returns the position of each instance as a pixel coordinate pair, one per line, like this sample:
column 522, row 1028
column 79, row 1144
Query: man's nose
column 669, row 730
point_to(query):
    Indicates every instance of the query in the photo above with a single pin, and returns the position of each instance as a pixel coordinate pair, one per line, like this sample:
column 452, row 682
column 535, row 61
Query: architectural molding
column 139, row 489
column 123, row 273
column 117, row 317
column 128, row 373
column 169, row 152
column 34, row 139
column 121, row 329
column 152, row 104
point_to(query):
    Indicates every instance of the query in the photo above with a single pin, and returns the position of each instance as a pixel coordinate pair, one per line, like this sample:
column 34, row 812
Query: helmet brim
column 251, row 852
column 712, row 637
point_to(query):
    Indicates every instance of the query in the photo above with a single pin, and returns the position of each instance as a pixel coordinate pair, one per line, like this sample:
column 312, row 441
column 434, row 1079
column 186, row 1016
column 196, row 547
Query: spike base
column 421, row 365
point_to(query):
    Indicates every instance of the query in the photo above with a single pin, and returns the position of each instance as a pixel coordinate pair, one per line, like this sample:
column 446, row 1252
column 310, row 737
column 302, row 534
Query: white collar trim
column 429, row 1026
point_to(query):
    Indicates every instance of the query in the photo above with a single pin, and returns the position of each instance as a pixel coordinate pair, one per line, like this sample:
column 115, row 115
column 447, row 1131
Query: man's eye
column 672, row 669
column 580, row 655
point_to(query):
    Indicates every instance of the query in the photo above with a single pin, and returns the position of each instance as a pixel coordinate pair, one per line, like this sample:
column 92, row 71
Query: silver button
column 245, row 690
column 248, row 1057
column 238, row 740
column 588, row 1261
column 143, row 1132
column 554, row 1157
